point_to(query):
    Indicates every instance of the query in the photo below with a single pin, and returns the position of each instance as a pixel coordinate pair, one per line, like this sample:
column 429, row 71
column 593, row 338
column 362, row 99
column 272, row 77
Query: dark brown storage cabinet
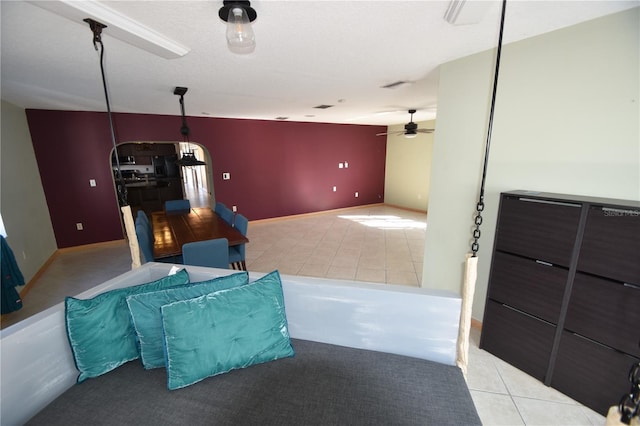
column 563, row 302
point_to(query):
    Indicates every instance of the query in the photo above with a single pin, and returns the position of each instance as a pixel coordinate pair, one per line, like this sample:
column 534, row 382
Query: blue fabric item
column 144, row 218
column 145, row 312
column 177, row 206
column 237, row 253
column 11, row 277
column 144, row 242
column 225, row 213
column 209, row 253
column 100, row 331
column 220, row 207
column 226, row 330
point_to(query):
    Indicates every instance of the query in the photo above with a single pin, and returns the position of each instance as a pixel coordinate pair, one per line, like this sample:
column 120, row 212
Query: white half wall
column 566, row 121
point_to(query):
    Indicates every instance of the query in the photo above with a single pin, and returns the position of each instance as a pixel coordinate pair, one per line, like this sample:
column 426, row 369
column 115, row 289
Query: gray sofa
column 366, row 354
column 322, row 385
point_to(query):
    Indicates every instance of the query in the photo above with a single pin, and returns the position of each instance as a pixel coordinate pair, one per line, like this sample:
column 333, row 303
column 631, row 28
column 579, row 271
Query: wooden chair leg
column 244, row 266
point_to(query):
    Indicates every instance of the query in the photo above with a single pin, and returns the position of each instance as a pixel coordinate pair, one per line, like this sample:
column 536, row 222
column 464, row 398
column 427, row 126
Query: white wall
column 408, row 168
column 566, row 121
column 22, row 202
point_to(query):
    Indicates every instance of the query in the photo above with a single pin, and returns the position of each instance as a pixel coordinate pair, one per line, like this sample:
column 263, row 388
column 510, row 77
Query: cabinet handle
column 542, row 262
column 637, row 287
column 526, row 314
column 595, row 342
column 556, row 203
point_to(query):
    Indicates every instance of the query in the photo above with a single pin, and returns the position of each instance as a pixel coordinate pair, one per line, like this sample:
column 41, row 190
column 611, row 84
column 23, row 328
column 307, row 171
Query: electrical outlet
column 346, row 165
column 334, row 189
column 340, row 165
column 79, row 226
column 356, row 195
column 234, row 208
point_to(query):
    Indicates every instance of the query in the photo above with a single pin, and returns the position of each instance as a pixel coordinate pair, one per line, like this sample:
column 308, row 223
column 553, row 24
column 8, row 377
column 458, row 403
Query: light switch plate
column 226, row 176
column 92, row 182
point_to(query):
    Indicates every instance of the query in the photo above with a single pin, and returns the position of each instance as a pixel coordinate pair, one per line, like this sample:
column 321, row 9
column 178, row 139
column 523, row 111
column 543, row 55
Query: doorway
column 152, row 175
column 196, row 178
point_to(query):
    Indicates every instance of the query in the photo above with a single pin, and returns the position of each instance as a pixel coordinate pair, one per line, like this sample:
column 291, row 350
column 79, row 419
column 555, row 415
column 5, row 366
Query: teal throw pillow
column 145, row 312
column 100, row 331
column 226, row 330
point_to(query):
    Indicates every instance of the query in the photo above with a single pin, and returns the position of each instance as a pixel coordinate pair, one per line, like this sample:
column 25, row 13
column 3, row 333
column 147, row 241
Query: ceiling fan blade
column 425, row 130
column 398, row 132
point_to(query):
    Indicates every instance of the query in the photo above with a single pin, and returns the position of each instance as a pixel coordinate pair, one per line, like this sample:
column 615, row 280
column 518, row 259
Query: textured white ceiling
column 308, row 53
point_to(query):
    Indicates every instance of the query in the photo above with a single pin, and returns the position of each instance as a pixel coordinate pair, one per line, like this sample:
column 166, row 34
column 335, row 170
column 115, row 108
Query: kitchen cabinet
column 563, row 302
column 153, row 178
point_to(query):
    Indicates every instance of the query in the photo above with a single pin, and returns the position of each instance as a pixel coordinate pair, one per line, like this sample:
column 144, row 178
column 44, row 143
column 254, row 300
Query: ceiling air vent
column 395, row 85
column 323, row 106
column 282, row 118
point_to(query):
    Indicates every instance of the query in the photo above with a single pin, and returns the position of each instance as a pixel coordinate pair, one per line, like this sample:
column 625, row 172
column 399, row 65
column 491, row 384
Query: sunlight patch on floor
column 385, row 221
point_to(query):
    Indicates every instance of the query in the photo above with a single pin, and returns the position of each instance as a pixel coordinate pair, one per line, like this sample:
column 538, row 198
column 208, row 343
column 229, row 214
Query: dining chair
column 210, row 253
column 225, row 213
column 237, row 253
column 220, row 207
column 177, row 205
column 144, row 241
column 143, row 218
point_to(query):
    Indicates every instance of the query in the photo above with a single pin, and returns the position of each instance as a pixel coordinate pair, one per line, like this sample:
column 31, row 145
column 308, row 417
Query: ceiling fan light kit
column 239, row 15
column 410, row 129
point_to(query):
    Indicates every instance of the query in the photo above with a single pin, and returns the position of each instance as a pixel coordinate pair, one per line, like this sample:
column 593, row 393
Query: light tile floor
column 375, row 243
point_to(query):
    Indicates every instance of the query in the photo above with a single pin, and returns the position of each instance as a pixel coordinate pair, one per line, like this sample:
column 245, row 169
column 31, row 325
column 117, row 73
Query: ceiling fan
column 410, row 129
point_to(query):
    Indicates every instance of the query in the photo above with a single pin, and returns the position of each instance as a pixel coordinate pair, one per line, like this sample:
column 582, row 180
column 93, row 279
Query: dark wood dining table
column 174, row 229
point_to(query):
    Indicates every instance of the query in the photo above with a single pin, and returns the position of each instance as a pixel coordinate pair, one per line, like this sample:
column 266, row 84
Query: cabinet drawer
column 521, row 340
column 538, row 229
column 605, row 311
column 528, row 285
column 611, row 244
column 595, row 375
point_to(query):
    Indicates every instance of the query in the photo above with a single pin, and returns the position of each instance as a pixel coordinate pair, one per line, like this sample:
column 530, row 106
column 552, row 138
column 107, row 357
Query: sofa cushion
column 322, row 385
column 145, row 312
column 100, row 331
column 226, row 330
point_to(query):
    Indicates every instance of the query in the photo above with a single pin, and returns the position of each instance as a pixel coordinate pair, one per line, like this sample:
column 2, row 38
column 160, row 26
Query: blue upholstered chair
column 225, row 213
column 237, row 253
column 177, row 206
column 210, row 253
column 220, row 207
column 144, row 219
column 144, row 241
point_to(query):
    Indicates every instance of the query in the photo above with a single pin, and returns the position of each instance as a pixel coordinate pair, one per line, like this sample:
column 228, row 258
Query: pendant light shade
column 189, row 159
column 238, row 15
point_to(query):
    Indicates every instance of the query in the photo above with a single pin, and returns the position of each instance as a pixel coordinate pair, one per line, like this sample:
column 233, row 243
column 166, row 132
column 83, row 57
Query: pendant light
column 239, row 15
column 189, row 157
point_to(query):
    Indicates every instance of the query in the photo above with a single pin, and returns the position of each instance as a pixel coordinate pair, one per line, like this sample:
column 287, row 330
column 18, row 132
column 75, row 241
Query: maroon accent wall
column 277, row 168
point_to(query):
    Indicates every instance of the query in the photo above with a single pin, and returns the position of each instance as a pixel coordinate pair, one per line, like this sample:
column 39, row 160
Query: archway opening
column 152, row 174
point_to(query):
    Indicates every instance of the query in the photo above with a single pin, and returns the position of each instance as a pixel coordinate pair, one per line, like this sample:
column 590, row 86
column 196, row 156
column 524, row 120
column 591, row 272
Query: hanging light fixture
column 189, row 157
column 239, row 15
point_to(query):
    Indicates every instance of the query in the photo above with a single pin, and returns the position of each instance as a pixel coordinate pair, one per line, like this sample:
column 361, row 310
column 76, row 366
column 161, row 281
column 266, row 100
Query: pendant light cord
column 480, row 205
column 121, row 188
